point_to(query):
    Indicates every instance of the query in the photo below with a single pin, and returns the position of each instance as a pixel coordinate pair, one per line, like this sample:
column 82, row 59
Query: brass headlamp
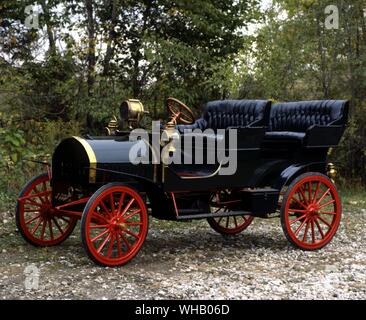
column 132, row 111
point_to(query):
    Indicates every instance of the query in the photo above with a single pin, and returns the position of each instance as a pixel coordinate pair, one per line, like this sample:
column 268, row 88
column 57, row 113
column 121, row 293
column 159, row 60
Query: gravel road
column 191, row 261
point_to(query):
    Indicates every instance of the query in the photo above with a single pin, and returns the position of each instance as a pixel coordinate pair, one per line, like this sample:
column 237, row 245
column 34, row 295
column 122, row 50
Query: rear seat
column 308, row 123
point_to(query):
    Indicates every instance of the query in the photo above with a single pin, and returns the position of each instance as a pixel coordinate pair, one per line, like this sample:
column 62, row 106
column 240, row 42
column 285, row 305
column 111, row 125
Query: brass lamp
column 331, row 171
column 132, row 111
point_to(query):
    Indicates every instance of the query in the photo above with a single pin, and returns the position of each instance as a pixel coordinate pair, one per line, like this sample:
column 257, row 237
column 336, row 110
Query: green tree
column 296, row 57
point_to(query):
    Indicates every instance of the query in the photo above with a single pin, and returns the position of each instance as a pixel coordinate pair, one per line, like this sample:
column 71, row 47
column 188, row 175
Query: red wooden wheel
column 37, row 221
column 114, row 225
column 230, row 225
column 311, row 211
column 227, row 225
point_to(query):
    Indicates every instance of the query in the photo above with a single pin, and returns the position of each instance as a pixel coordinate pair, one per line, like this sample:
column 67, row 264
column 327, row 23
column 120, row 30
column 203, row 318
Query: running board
column 213, row 215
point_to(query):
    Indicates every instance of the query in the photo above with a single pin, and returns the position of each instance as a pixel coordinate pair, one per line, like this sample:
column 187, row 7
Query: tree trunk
column 111, row 37
column 136, row 53
column 91, row 58
column 323, row 62
column 49, row 28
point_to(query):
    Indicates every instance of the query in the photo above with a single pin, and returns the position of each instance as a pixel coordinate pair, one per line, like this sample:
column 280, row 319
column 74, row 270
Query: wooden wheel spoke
column 297, row 210
column 316, row 192
column 326, row 204
column 306, row 231
column 132, row 214
column 300, row 203
column 132, row 234
column 44, row 225
column 31, row 210
column 33, row 219
column 324, row 221
column 111, row 199
column 33, row 203
column 100, row 248
column 298, row 219
column 236, row 222
column 50, row 229
column 129, row 204
column 134, row 223
column 99, row 217
column 120, row 203
column 101, row 234
column 35, row 195
column 300, row 226
column 119, row 247
column 312, row 231
column 128, row 245
column 319, row 228
column 57, row 225
column 38, row 194
column 34, row 230
column 106, row 210
column 302, row 194
column 328, row 213
column 99, row 226
column 310, row 187
column 67, row 220
column 110, row 247
column 323, row 196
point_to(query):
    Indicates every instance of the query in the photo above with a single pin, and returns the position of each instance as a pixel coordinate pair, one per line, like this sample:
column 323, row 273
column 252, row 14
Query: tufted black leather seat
column 224, row 114
column 293, row 120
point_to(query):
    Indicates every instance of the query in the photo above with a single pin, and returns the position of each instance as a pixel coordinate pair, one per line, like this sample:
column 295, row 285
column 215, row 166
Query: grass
column 353, row 198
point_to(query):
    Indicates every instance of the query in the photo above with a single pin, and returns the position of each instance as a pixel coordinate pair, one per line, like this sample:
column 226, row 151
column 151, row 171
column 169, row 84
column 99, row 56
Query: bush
column 22, row 142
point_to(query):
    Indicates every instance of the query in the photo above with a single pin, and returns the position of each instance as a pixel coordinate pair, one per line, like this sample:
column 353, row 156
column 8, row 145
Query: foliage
column 22, row 142
column 297, row 58
column 70, row 75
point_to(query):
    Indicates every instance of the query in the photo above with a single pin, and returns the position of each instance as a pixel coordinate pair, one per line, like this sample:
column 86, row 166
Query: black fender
column 293, row 171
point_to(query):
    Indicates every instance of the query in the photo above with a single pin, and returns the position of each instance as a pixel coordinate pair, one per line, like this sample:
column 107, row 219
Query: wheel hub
column 46, row 211
column 312, row 210
column 118, row 224
column 122, row 226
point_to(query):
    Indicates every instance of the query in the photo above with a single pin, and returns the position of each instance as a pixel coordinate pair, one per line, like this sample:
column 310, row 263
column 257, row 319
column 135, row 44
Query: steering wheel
column 179, row 111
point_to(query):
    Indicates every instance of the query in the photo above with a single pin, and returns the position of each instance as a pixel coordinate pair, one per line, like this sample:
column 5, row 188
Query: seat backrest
column 236, row 113
column 222, row 114
column 299, row 116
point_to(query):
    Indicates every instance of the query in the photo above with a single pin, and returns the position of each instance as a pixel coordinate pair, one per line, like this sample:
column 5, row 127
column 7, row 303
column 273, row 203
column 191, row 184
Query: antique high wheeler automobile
column 282, row 170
